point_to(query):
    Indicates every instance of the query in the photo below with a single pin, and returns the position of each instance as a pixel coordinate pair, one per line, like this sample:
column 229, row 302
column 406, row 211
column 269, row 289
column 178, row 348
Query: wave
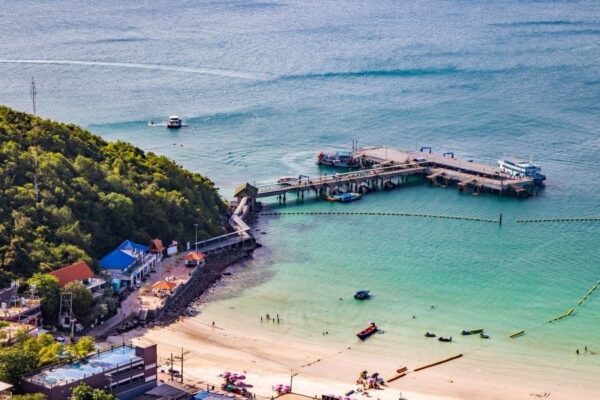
column 256, row 76
column 565, row 32
column 559, row 22
column 375, row 73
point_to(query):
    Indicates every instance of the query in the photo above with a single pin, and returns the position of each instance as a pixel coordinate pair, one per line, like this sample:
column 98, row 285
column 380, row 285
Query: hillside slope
column 66, row 194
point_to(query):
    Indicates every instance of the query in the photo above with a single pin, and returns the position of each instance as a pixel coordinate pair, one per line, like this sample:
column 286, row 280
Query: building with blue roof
column 129, row 264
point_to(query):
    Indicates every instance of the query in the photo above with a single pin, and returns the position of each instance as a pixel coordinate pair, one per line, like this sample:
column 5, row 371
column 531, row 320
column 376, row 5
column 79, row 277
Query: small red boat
column 368, row 331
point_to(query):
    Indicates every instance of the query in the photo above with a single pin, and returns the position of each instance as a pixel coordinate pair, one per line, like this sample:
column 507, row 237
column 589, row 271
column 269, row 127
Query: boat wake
column 255, row 76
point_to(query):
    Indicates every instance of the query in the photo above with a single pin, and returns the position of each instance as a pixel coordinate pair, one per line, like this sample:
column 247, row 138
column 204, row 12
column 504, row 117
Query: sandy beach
column 268, row 358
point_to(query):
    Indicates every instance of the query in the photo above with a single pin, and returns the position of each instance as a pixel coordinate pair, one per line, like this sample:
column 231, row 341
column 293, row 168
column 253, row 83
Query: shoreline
column 268, row 358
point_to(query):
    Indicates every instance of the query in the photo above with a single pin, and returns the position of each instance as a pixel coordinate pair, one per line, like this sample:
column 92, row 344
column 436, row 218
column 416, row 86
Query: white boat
column 287, row 180
column 174, row 122
column 519, row 168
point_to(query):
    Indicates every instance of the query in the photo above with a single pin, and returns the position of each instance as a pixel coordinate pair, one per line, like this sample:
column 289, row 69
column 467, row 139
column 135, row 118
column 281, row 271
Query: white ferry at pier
column 519, row 168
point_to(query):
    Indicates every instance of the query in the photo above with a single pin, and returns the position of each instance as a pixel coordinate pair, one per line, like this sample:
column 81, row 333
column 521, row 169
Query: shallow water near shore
column 264, row 86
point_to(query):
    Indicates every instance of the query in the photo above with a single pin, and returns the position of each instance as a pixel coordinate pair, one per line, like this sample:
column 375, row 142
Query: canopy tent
column 164, row 285
column 195, row 256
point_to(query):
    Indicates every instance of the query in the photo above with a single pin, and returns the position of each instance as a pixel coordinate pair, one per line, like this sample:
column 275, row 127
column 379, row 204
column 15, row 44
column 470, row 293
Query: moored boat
column 522, row 169
column 362, row 295
column 368, row 331
column 472, row 332
column 287, row 180
column 339, row 159
column 445, row 339
column 344, row 197
column 429, row 334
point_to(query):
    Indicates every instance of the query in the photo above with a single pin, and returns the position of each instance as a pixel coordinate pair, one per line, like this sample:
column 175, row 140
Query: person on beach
column 261, row 319
column 213, row 324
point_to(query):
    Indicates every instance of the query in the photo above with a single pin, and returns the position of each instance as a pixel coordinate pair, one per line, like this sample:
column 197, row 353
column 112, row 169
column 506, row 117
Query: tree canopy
column 84, row 392
column 66, row 195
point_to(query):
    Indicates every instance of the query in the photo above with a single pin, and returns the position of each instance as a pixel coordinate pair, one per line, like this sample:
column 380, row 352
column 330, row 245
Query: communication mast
column 33, row 93
column 14, row 294
column 65, row 312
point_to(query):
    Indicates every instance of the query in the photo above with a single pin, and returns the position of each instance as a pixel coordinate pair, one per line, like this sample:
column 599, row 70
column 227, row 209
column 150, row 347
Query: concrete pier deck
column 388, row 167
column 444, row 170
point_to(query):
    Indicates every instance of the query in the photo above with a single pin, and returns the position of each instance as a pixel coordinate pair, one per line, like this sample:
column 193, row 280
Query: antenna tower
column 66, row 310
column 14, row 294
column 33, row 93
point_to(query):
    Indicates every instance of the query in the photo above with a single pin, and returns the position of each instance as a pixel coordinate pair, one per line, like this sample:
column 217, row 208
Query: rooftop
column 93, row 365
column 79, row 271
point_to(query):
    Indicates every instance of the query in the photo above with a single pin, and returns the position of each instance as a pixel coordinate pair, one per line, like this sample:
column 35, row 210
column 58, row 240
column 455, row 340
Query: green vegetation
column 29, row 353
column 82, row 301
column 47, row 288
column 29, row 396
column 84, row 392
column 66, row 195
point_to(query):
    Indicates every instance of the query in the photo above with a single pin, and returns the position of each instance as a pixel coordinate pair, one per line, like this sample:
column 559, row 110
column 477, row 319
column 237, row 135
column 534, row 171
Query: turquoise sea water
column 265, row 85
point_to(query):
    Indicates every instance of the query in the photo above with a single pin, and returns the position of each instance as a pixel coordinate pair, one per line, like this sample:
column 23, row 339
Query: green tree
column 81, row 348
column 29, row 396
column 82, row 301
column 46, row 286
column 84, row 392
column 16, row 362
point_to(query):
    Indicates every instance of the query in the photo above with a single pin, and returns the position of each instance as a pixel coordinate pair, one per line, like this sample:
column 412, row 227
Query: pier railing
column 335, row 179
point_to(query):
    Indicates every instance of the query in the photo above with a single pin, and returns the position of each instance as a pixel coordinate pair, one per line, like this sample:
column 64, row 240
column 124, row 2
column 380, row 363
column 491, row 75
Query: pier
column 444, row 169
column 386, row 168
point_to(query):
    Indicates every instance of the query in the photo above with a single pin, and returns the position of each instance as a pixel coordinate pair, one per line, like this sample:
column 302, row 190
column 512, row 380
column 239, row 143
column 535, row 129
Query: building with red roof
column 80, row 272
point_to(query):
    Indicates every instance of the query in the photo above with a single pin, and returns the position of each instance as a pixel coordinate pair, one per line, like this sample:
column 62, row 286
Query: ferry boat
column 174, row 122
column 521, row 169
column 339, row 159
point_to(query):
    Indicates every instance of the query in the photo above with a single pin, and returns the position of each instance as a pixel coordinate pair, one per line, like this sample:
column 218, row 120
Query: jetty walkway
column 361, row 180
column 388, row 168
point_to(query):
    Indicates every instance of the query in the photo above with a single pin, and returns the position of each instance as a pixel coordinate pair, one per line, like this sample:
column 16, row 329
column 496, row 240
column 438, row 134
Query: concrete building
column 126, row 371
column 129, row 264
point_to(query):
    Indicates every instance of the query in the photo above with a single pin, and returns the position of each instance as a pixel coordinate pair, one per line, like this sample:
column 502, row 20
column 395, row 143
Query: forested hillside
column 66, row 194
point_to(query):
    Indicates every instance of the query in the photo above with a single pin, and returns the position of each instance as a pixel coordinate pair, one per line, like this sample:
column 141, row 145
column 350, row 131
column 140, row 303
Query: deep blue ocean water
column 265, row 85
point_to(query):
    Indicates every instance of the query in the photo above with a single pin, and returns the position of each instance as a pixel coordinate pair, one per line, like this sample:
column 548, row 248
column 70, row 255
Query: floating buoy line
column 381, row 214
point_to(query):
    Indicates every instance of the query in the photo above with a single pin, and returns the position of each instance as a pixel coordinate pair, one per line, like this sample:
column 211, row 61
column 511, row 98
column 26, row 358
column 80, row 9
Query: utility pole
column 181, row 372
column 292, row 375
column 171, row 367
column 33, row 93
column 196, row 226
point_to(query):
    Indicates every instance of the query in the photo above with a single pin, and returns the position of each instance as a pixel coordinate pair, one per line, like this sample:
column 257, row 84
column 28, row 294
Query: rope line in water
column 570, row 219
column 381, row 214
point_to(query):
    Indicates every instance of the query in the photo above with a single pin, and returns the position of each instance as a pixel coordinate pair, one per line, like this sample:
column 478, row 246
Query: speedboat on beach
column 368, row 331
